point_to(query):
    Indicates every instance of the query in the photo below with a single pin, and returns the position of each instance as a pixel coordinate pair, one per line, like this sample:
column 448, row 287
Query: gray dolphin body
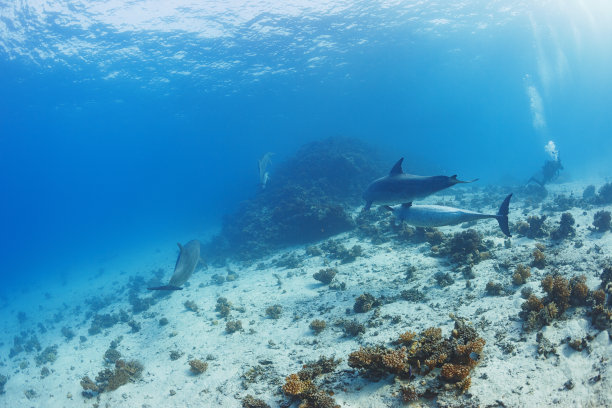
column 440, row 215
column 398, row 187
column 186, row 263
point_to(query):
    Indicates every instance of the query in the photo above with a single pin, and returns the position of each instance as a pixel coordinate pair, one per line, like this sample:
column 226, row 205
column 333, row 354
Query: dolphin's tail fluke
column 455, row 180
column 502, row 215
column 166, row 287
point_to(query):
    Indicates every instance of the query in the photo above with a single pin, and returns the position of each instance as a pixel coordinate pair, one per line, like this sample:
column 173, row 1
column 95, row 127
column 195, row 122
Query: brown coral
column 295, row 386
column 454, row 372
column 579, row 291
column 532, row 304
column 521, row 274
column 599, row 296
column 539, row 259
column 198, row 366
column 394, row 360
column 408, row 393
column 406, row 338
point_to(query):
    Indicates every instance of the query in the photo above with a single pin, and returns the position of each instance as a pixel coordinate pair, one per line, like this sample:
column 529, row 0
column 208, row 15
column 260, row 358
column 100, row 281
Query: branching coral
column 317, row 326
column 521, row 274
column 566, row 227
column 364, row 303
column 601, row 221
column 302, row 386
column 198, row 366
column 325, row 276
column 539, row 259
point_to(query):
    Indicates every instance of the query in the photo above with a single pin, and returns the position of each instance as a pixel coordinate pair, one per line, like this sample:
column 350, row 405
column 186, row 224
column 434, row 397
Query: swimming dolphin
column 398, row 187
column 439, row 215
column 188, row 259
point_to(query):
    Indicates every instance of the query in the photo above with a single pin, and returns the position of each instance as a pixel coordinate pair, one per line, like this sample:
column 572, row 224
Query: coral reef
column 197, row 366
column 495, row 289
column 464, row 248
column 560, row 294
column 601, row 221
column 451, row 359
column 223, row 307
column 364, row 303
column 48, row 356
column 192, row 306
column 325, row 276
column 521, row 274
column 251, row 402
column 604, row 195
column 304, row 201
column 100, row 322
column 565, row 229
column 539, row 259
column 533, row 228
column 351, row 328
column 110, row 380
column 112, row 355
column 589, row 193
column 274, row 311
column 317, row 326
column 302, row 385
column 335, row 250
column 233, row 326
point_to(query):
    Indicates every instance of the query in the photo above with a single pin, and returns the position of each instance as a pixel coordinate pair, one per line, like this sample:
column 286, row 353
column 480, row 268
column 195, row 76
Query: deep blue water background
column 92, row 165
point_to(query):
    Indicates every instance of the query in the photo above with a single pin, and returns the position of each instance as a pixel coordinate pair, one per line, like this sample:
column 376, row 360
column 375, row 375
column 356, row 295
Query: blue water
column 124, row 125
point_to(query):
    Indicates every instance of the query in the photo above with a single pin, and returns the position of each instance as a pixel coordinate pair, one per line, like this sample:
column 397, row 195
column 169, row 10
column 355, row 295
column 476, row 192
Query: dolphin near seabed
column 440, row 215
column 398, row 187
column 188, row 259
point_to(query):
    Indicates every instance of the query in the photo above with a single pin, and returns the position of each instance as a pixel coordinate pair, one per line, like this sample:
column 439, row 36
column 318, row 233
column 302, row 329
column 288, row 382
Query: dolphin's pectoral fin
column 180, row 246
column 388, row 208
column 397, row 168
column 407, row 205
column 456, row 181
column 367, row 206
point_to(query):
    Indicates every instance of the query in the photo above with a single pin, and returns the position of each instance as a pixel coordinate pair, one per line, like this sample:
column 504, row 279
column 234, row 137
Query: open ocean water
column 126, row 126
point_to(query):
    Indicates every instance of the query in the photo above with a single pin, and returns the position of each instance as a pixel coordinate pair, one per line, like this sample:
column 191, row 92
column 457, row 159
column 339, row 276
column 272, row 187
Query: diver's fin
column 166, row 287
column 502, row 215
column 397, row 168
column 180, row 246
column 407, row 205
column 456, row 181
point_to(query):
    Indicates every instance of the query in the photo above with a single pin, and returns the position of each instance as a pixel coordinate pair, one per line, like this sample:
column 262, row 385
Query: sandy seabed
column 256, row 359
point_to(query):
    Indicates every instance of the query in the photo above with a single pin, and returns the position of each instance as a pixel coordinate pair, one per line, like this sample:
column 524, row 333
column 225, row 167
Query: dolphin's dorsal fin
column 407, row 205
column 180, row 246
column 397, row 169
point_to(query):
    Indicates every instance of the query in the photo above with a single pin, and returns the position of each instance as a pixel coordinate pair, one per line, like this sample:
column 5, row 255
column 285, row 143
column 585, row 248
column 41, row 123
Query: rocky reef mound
column 306, row 200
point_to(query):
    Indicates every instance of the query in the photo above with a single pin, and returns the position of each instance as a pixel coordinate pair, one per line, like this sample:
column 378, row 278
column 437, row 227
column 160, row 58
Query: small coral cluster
column 335, row 250
column 451, row 359
column 364, row 303
column 326, row 275
column 601, row 221
column 560, row 295
column 302, row 385
column 464, row 248
column 521, row 274
column 110, row 380
column 197, row 366
column 565, row 229
column 533, row 228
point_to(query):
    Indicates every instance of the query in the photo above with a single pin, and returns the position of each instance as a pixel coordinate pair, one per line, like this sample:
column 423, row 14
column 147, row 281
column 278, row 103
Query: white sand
column 510, row 370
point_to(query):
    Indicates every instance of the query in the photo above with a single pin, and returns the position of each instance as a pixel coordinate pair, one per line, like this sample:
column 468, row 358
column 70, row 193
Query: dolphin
column 398, row 187
column 188, row 259
column 439, row 215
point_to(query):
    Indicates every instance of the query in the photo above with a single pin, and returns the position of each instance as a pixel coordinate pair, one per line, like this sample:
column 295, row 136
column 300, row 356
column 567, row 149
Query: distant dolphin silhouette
column 263, row 164
column 186, row 263
column 398, row 187
column 439, row 215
